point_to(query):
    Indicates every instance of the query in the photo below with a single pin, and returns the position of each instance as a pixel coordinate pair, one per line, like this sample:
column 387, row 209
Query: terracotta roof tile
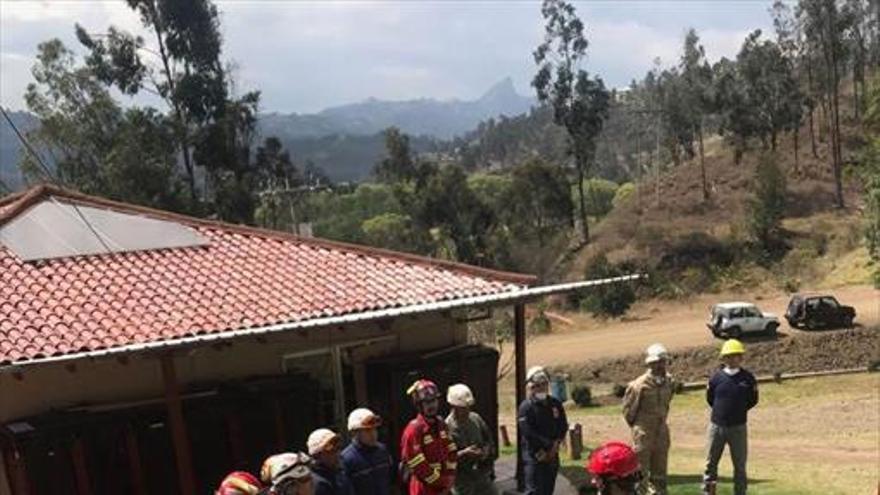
column 242, row 278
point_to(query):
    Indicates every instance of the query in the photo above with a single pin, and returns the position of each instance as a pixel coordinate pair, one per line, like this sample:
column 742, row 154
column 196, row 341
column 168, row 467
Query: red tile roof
column 244, row 278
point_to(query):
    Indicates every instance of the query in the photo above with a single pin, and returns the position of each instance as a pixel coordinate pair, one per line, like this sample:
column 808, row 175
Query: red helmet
column 423, row 390
column 613, row 460
column 239, row 483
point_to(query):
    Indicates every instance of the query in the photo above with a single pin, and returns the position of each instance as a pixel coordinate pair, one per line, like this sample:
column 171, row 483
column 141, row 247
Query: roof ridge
column 26, row 199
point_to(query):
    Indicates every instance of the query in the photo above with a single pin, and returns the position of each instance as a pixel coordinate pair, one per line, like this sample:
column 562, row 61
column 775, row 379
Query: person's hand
column 470, row 451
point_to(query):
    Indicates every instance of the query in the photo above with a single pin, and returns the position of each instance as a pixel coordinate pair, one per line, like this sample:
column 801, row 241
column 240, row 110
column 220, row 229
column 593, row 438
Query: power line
column 28, row 146
column 52, row 178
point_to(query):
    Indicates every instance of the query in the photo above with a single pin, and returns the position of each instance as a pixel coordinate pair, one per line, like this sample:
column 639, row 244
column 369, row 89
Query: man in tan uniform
column 645, row 407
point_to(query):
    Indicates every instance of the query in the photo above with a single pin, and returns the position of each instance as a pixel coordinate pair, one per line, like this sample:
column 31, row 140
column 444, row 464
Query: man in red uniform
column 426, row 450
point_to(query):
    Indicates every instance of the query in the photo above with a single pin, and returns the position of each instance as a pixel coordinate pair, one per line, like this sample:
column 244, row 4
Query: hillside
column 694, row 246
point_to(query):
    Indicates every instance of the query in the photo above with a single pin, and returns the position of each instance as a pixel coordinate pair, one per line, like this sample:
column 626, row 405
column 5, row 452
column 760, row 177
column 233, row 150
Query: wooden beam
column 280, row 432
column 519, row 333
column 80, row 467
column 135, row 466
column 16, row 469
column 179, row 438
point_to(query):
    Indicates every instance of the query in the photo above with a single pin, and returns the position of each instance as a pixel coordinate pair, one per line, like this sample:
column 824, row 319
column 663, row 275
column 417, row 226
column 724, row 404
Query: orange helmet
column 613, row 460
column 239, row 483
column 423, row 390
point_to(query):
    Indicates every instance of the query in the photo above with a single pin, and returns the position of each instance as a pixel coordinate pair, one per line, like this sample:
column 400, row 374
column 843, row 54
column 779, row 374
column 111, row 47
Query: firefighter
column 427, row 453
column 288, row 474
column 645, row 408
column 324, row 446
column 366, row 461
column 731, row 393
column 239, row 483
column 476, row 455
column 614, row 469
column 542, row 426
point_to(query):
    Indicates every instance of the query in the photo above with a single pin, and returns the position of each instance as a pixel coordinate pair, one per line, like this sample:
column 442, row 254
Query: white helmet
column 363, row 418
column 320, row 440
column 460, row 395
column 656, row 352
column 537, row 374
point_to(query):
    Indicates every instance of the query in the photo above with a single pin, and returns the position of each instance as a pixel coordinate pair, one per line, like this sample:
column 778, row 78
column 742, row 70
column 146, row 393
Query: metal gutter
column 518, row 295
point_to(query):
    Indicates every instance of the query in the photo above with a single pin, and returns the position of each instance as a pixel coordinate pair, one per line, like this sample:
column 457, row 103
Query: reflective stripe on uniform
column 434, row 477
column 415, row 461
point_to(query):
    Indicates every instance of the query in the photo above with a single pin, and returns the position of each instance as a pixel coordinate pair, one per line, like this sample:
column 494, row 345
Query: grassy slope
column 811, row 436
column 827, row 248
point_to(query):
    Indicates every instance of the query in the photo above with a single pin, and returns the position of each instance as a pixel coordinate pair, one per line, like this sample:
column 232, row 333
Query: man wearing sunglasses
column 427, row 452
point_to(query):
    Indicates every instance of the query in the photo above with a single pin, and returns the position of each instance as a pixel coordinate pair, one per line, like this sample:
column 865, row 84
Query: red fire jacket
column 429, row 454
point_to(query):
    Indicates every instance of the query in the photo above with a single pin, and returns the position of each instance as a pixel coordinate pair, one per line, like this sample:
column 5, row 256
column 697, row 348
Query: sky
column 305, row 56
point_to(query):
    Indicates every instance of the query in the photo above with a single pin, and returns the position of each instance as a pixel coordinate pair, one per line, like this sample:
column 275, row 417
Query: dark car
column 819, row 311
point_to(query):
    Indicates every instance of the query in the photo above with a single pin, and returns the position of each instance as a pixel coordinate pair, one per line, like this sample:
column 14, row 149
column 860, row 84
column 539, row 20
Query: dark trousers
column 540, row 477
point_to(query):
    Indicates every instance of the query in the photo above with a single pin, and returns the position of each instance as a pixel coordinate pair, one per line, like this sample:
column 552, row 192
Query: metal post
column 179, row 438
column 519, row 330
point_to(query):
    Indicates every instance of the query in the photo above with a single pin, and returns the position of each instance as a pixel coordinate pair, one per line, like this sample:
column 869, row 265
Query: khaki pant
column 737, row 437
column 651, row 443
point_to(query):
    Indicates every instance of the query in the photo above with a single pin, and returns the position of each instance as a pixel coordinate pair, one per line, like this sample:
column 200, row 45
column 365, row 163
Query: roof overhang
column 520, row 295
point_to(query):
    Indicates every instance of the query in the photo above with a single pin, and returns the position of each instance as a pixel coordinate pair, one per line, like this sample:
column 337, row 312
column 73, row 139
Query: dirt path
column 676, row 324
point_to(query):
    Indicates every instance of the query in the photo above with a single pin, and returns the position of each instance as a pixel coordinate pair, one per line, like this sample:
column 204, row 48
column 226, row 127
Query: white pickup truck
column 736, row 319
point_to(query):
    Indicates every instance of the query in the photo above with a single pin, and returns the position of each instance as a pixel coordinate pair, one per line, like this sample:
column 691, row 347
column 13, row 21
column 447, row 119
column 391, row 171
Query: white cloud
column 304, row 56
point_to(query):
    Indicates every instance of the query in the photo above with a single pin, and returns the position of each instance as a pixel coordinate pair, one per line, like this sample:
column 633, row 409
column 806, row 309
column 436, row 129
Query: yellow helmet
column 732, row 346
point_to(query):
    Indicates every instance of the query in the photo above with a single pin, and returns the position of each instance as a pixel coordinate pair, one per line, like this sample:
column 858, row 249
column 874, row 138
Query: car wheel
column 771, row 329
column 734, row 332
column 848, row 322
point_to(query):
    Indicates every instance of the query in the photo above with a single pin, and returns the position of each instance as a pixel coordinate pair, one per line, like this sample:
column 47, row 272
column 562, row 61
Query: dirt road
column 676, row 324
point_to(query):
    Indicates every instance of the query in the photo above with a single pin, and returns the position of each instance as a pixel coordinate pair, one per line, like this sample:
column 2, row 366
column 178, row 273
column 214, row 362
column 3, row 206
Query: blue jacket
column 369, row 469
column 731, row 397
column 542, row 423
column 330, row 482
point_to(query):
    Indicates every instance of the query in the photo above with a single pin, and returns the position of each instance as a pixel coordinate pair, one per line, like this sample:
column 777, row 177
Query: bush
column 618, row 390
column 539, row 324
column 582, row 395
column 768, row 204
column 607, row 300
column 624, row 192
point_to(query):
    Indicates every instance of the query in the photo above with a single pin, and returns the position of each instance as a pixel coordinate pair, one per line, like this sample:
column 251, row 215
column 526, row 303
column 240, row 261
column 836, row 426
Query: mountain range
column 344, row 141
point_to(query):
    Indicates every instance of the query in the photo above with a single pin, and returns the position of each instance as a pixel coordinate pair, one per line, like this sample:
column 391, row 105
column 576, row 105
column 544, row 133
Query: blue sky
column 305, row 56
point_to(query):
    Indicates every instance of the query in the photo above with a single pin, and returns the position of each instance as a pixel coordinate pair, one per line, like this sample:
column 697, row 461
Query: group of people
column 438, row 456
column 731, row 392
column 456, row 455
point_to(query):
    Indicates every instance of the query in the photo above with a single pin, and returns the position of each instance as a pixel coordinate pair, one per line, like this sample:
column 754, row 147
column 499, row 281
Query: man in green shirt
column 477, row 453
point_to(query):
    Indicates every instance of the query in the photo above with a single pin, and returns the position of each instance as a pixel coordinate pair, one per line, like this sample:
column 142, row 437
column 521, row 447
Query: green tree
column 393, row 231
column 767, row 206
column 189, row 75
column 539, row 201
column 774, row 96
column 448, row 207
column 580, row 103
column 824, row 28
column 97, row 146
column 398, row 165
column 696, row 76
